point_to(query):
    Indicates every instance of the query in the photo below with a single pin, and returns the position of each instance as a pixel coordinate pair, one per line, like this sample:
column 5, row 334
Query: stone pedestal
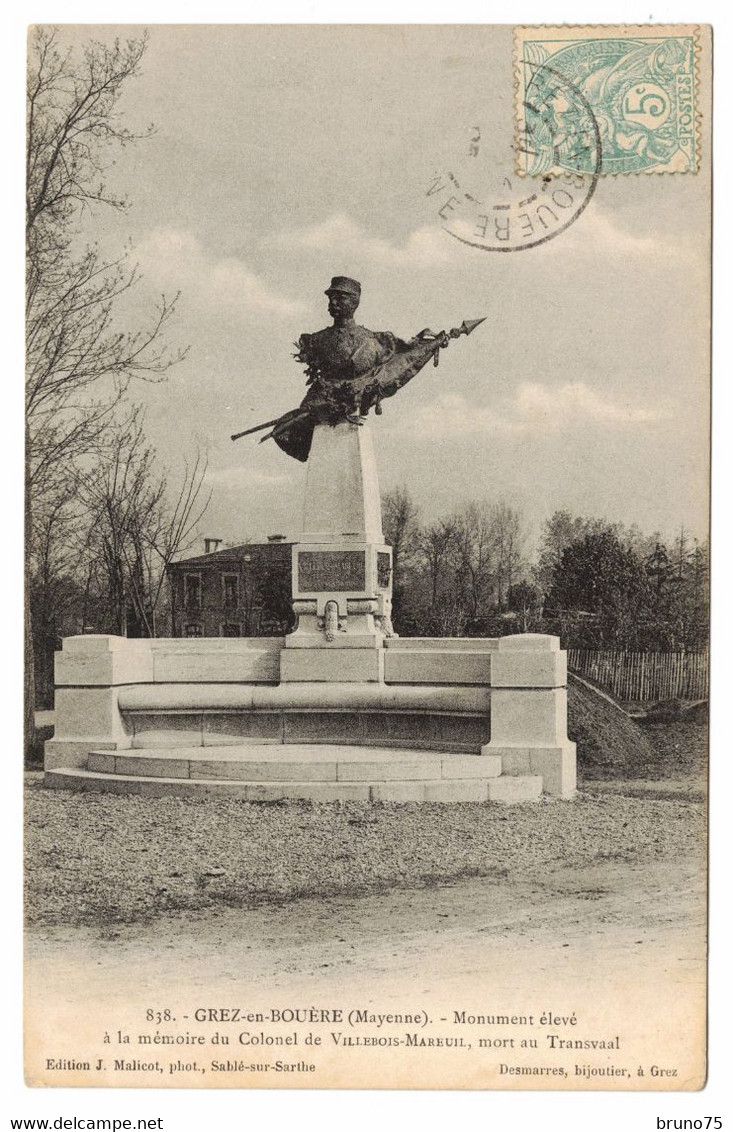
column 342, row 569
column 341, row 503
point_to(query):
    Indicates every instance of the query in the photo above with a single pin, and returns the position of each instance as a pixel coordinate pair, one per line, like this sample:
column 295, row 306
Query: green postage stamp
column 606, row 99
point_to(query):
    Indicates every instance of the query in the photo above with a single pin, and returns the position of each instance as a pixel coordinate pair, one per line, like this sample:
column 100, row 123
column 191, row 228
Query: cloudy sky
column 283, row 156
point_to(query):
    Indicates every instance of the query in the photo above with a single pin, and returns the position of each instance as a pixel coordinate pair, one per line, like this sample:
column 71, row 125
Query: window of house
column 194, row 630
column 230, row 586
column 192, row 591
column 230, row 629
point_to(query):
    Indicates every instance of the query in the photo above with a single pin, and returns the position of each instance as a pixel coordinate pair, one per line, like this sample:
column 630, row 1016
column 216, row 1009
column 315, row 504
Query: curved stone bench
column 504, row 697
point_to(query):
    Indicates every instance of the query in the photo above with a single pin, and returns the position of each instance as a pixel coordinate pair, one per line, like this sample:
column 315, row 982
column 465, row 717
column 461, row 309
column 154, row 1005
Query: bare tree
column 79, row 355
column 52, row 590
column 506, row 530
column 173, row 534
column 400, row 517
column 456, row 570
column 137, row 524
column 79, row 358
column 476, row 575
column 438, row 544
column 401, row 530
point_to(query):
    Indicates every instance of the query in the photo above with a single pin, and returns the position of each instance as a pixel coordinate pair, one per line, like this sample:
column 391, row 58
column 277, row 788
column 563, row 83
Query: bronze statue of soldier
column 335, row 357
column 350, row 370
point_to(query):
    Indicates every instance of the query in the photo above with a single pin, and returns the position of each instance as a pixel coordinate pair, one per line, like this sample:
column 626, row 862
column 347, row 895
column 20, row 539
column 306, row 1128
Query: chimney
column 212, row 544
column 276, row 538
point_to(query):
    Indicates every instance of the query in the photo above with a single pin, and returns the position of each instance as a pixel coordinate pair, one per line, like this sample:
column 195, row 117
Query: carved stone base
column 329, row 623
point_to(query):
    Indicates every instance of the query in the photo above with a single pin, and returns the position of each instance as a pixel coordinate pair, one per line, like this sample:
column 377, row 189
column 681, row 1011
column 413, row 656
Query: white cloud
column 594, row 233
column 422, row 248
column 576, row 400
column 451, row 415
column 536, row 408
column 595, row 230
column 175, row 258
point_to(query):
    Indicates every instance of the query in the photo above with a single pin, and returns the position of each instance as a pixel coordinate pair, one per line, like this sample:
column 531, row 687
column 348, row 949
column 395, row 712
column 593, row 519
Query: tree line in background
column 594, row 583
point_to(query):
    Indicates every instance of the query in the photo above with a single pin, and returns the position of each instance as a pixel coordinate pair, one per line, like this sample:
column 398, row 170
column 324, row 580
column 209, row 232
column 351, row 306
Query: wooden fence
column 644, row 677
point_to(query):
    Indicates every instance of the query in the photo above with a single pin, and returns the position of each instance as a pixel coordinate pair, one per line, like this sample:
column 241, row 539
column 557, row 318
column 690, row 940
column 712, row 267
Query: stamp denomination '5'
column 639, row 82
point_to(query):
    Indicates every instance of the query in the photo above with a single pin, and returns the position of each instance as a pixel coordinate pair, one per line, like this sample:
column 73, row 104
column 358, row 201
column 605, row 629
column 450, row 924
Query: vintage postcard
column 367, row 488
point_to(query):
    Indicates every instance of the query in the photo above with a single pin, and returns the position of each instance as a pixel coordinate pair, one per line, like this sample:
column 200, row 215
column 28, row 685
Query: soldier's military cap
column 343, row 283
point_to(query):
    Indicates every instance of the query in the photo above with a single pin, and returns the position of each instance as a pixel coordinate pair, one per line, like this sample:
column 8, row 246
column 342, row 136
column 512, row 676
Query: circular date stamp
column 500, row 211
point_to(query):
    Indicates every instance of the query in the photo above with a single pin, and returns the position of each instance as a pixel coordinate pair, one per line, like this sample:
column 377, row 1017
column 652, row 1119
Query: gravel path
column 101, row 859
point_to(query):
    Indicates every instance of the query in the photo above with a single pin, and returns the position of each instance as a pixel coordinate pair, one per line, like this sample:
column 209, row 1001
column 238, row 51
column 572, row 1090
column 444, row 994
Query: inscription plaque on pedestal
column 331, row 571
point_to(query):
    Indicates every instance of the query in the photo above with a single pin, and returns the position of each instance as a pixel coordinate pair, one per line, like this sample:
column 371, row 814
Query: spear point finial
column 469, row 325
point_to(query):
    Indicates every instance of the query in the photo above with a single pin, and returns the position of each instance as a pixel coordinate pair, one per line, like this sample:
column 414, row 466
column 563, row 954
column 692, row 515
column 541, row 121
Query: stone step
column 304, row 762
column 519, row 788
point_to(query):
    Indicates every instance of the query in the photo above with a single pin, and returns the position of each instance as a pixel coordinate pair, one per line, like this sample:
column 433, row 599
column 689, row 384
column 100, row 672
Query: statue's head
column 343, row 296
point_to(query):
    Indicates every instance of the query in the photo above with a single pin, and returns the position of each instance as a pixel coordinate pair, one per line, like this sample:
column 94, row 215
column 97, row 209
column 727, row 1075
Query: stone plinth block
column 529, row 709
column 59, row 753
column 528, row 642
column 513, row 760
column 337, row 666
column 103, row 660
column 558, row 770
column 457, row 791
column 510, row 791
column 341, row 593
column 89, row 713
column 529, row 717
column 106, row 661
column 415, row 667
column 166, row 729
column 555, row 765
column 208, row 663
column 85, row 718
column 398, row 792
column 529, row 660
column 471, row 766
